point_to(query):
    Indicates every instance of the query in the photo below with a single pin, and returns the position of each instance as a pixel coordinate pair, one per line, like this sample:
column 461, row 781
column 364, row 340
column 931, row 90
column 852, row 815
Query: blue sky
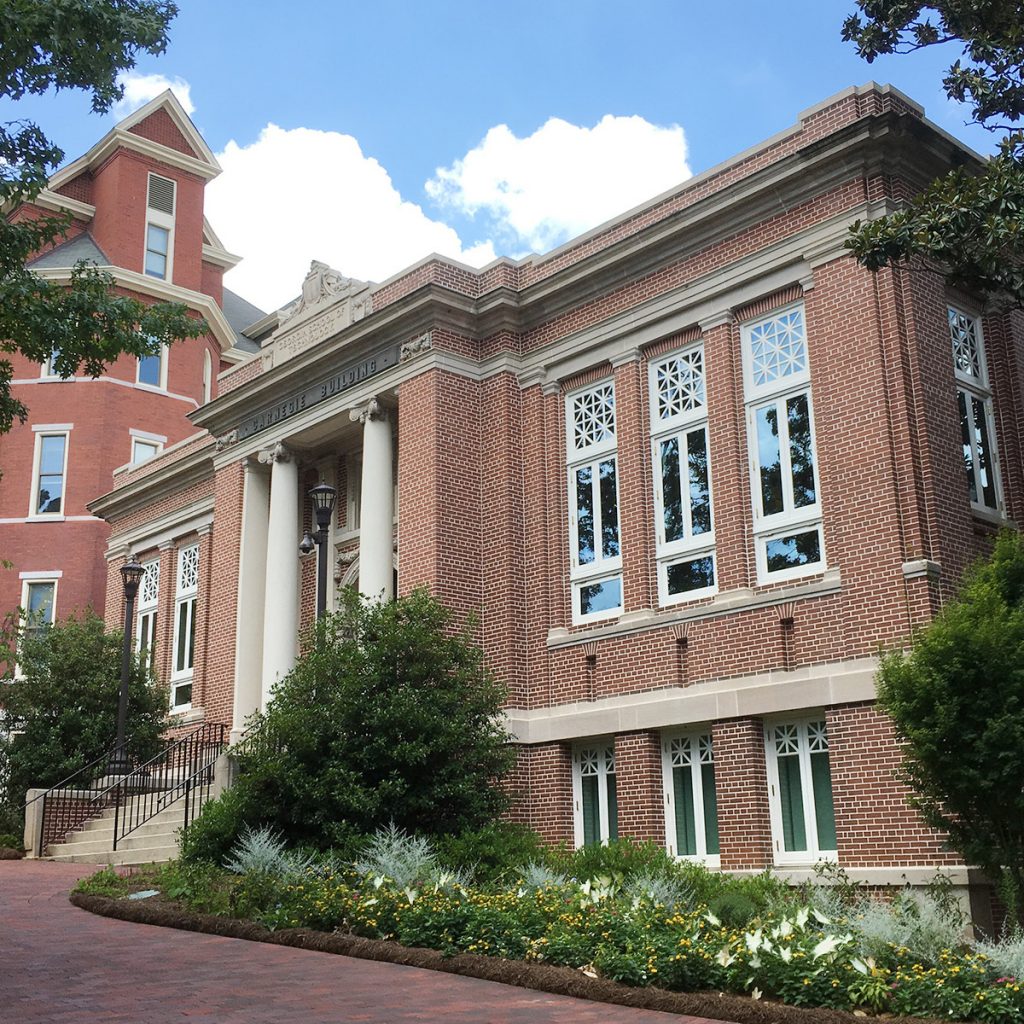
column 368, row 135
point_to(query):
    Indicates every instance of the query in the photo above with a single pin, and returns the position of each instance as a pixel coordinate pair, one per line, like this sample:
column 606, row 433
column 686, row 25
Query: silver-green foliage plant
column 540, row 876
column 912, row 921
column 393, row 854
column 262, row 851
column 1007, row 954
column 670, row 893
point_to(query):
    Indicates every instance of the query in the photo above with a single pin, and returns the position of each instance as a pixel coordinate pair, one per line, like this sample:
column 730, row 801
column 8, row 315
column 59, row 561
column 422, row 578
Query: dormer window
column 159, row 227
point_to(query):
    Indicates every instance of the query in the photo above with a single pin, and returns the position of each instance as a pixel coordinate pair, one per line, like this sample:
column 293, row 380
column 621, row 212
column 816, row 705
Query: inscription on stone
column 338, row 382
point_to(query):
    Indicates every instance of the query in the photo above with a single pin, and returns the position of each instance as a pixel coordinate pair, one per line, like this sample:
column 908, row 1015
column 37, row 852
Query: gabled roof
column 201, row 162
column 67, row 254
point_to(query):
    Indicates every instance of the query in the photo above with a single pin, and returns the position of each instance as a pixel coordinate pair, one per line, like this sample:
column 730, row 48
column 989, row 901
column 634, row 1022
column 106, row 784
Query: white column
column 252, row 581
column 376, row 504
column 281, row 607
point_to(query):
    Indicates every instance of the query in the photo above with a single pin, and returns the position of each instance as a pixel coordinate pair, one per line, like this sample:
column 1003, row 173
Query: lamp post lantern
column 323, row 497
column 131, row 574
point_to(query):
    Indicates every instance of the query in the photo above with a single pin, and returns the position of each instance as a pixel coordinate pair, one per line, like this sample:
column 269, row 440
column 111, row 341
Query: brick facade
column 477, row 404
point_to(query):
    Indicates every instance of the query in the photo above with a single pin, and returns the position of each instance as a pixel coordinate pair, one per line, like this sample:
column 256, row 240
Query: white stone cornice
column 720, row 319
column 145, row 285
column 50, row 200
column 625, row 357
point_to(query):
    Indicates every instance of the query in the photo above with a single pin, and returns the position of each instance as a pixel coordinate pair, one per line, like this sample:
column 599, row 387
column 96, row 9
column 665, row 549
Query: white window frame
column 185, row 594
column 149, row 606
column 162, row 385
column 143, row 442
column 34, row 579
column 814, row 852
column 700, row 753
column 791, row 520
column 161, row 220
column 42, row 431
column 978, row 387
column 603, row 568
column 690, row 547
column 207, row 376
column 47, row 368
column 605, row 751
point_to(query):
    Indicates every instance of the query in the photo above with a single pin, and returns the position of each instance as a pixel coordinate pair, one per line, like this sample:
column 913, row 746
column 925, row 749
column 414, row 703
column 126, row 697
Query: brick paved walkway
column 62, row 965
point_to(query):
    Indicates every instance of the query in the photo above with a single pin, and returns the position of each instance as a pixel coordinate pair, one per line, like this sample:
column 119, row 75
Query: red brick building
column 136, row 199
column 690, row 471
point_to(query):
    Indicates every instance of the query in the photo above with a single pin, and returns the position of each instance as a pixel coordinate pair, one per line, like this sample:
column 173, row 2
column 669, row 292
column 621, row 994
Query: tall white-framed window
column 783, row 464
column 38, row 603
column 159, row 243
column 974, row 404
column 145, row 623
column 684, row 522
column 800, row 791
column 49, row 471
column 185, row 596
column 152, row 369
column 595, row 552
column 49, row 366
column 595, row 801
column 691, row 802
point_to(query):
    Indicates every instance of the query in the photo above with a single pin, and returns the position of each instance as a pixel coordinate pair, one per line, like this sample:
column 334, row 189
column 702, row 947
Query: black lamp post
column 131, row 573
column 323, row 497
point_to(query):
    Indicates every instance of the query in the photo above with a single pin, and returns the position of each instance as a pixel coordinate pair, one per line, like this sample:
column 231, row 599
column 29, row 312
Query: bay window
column 595, row 552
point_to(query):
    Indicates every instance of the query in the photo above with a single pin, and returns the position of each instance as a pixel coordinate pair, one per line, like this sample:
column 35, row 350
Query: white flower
column 821, row 918
column 753, row 940
column 801, row 917
column 786, row 954
column 755, row 993
column 826, row 946
column 712, row 919
column 724, row 956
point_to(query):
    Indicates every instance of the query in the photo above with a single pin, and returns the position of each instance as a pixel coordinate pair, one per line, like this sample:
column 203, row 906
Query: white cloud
column 539, row 191
column 140, row 89
column 300, row 194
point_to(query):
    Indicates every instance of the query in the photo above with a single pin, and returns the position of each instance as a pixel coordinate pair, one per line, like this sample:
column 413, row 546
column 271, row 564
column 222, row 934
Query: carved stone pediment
column 329, row 303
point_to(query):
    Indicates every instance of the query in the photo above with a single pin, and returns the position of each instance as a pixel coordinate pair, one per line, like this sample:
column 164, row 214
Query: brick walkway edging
column 696, row 1007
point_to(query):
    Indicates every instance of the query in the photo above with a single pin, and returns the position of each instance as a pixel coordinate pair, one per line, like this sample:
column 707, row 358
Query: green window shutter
column 794, row 832
column 591, row 825
column 824, row 811
column 707, row 777
column 686, row 831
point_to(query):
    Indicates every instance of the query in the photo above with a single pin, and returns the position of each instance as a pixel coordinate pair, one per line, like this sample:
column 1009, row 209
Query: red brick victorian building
column 136, row 199
column 690, row 471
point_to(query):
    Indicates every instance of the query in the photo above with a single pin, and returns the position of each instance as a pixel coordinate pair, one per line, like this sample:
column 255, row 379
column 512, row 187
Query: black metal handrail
column 183, row 769
column 103, row 759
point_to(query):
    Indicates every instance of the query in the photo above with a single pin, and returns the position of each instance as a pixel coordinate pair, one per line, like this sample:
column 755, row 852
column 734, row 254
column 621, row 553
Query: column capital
column 279, row 453
column 720, row 319
column 371, row 411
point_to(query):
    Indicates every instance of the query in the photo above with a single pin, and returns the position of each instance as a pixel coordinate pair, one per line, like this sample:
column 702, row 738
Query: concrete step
column 143, row 855
column 130, row 842
column 169, row 819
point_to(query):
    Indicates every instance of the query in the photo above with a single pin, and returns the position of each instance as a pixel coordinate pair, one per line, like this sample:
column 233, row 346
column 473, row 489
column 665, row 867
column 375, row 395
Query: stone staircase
column 154, row 842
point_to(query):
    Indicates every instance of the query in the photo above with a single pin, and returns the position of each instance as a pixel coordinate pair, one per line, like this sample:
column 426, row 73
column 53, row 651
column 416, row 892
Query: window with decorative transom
column 800, row 790
column 595, row 553
column 595, row 803
column 783, row 465
column 145, row 624
column 684, row 526
column 185, row 597
column 691, row 802
column 974, row 404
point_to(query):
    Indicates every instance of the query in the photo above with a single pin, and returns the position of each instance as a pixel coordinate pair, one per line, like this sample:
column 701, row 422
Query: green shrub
column 497, row 851
column 64, row 707
column 734, row 909
column 210, row 837
column 620, row 859
column 10, row 841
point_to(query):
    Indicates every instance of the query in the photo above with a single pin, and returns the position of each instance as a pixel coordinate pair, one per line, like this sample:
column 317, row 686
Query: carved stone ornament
column 226, row 440
column 323, row 283
column 423, row 343
column 373, row 410
column 279, row 453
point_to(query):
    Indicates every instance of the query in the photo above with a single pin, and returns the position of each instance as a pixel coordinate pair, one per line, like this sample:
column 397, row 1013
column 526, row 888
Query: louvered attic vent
column 161, row 194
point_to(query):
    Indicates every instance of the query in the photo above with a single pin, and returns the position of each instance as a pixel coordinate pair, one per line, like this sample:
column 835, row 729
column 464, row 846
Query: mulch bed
column 542, row 977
